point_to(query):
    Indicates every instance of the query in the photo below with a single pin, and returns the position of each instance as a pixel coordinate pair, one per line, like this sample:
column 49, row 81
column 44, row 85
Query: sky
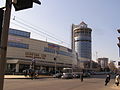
column 54, row 18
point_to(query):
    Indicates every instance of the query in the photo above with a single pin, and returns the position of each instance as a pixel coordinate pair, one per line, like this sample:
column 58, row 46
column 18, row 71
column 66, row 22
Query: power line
column 34, row 28
column 33, row 25
column 32, row 31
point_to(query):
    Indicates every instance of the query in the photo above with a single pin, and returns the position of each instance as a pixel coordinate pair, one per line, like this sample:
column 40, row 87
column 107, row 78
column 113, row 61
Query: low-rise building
column 103, row 62
column 22, row 50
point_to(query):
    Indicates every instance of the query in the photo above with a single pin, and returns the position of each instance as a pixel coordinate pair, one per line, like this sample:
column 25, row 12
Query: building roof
column 83, row 23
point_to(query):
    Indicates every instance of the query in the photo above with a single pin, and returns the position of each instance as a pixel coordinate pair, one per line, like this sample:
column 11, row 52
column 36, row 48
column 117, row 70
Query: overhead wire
column 32, row 31
column 35, row 29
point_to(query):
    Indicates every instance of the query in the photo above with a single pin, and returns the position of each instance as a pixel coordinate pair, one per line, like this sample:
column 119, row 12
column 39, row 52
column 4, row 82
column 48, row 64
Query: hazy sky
column 56, row 16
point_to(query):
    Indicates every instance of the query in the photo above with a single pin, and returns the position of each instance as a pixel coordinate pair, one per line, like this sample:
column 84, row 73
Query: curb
column 23, row 77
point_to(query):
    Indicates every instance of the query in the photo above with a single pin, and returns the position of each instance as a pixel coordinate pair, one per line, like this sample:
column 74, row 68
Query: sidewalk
column 23, row 77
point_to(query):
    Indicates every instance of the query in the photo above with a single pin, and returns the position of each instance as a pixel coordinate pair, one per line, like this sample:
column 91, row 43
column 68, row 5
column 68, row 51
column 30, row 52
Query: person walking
column 117, row 79
column 81, row 77
column 25, row 72
column 107, row 80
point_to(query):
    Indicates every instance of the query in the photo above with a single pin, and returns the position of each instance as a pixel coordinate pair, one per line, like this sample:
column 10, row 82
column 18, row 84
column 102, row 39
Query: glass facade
column 83, row 48
column 19, row 33
column 18, row 45
column 82, row 40
column 50, row 50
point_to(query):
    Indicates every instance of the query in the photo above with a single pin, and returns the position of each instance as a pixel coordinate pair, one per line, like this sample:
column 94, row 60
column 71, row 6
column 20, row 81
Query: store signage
column 11, row 38
column 35, row 55
column 54, row 46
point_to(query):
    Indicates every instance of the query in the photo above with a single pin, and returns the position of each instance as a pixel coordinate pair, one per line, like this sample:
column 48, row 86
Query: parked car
column 67, row 76
column 92, row 73
column 58, row 75
column 76, row 75
column 86, row 74
column 42, row 72
column 101, row 73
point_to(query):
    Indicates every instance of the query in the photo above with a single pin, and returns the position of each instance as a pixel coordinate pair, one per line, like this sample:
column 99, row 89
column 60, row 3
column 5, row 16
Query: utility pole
column 55, row 64
column 19, row 5
column 4, row 39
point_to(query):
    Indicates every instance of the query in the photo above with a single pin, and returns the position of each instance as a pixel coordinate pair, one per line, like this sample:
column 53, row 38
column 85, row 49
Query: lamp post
column 33, row 63
column 55, row 64
column 55, row 59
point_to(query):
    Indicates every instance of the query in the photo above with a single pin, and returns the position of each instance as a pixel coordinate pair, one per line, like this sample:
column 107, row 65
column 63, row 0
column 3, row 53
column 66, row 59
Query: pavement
column 111, row 86
column 114, row 87
column 24, row 77
column 59, row 84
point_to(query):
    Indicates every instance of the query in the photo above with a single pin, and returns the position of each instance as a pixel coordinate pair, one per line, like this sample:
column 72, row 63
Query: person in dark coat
column 107, row 80
column 25, row 72
column 81, row 77
column 31, row 73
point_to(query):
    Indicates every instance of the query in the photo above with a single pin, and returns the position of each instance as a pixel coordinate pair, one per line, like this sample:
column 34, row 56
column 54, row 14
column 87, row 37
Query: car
column 101, row 73
column 58, row 75
column 92, row 73
column 86, row 74
column 67, row 76
column 76, row 75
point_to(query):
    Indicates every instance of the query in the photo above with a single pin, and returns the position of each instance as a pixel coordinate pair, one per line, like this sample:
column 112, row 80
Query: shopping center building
column 22, row 50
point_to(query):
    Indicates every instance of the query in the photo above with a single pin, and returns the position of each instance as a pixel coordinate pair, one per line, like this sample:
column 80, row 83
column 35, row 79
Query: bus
column 71, row 70
column 67, row 70
column 75, row 73
column 67, row 73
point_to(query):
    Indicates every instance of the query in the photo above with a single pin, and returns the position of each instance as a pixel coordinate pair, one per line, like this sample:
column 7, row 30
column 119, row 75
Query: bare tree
column 112, row 66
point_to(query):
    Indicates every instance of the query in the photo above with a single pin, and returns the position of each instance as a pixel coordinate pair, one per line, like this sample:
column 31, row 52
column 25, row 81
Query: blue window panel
column 49, row 50
column 18, row 45
column 58, row 52
column 19, row 33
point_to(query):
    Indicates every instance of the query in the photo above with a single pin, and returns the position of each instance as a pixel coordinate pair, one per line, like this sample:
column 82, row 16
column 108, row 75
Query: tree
column 112, row 67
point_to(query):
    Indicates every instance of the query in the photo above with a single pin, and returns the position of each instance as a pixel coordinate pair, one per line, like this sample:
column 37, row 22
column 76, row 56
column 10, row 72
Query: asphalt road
column 96, row 83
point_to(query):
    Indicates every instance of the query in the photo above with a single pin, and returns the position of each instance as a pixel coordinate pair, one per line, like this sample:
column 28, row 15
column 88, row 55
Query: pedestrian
column 81, row 77
column 107, row 80
column 32, row 73
column 25, row 72
column 117, row 79
column 14, row 70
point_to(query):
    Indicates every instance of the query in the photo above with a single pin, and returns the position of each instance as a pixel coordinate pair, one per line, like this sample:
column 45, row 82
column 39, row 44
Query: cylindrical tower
column 119, row 42
column 81, row 41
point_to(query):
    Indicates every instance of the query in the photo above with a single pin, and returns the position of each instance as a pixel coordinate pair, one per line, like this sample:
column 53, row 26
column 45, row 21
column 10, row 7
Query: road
column 59, row 84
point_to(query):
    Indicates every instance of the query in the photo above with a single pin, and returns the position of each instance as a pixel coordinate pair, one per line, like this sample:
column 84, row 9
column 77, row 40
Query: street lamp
column 55, row 64
column 33, row 63
column 55, row 59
